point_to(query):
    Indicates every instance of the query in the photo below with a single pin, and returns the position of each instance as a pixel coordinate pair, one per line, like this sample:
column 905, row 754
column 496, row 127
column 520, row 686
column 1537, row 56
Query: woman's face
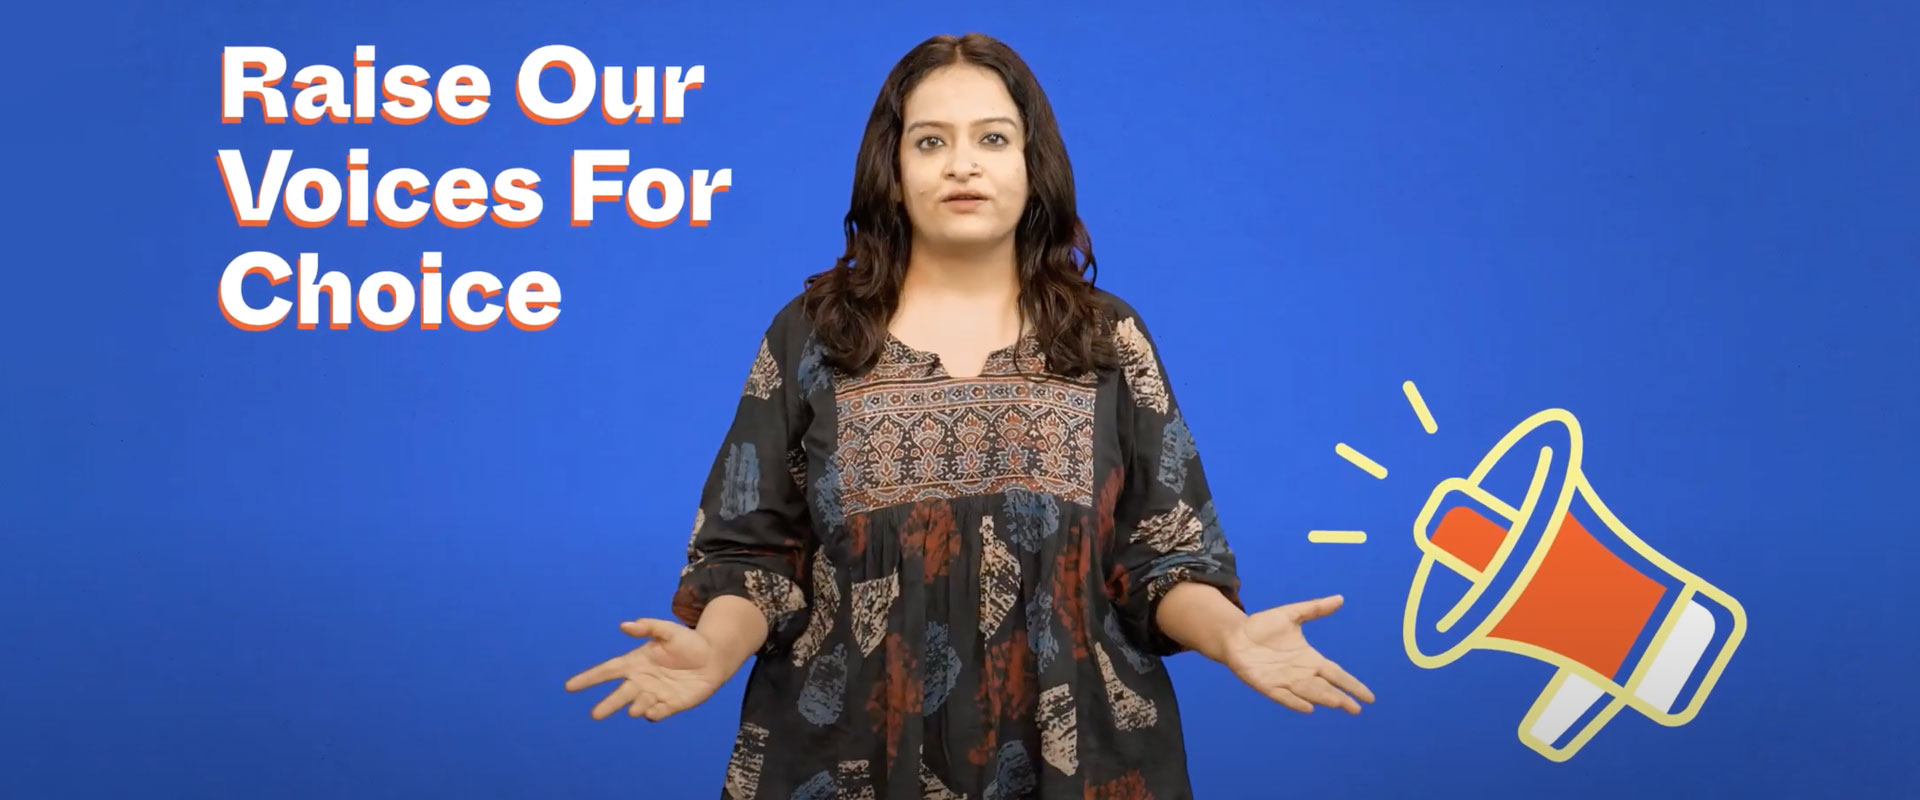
column 963, row 169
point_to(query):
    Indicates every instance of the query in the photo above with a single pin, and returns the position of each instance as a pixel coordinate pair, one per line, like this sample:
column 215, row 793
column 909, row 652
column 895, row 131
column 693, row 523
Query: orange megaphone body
column 1556, row 577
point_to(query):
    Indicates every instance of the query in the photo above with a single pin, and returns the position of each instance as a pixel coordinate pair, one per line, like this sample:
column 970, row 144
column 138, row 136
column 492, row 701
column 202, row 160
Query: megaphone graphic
column 1555, row 576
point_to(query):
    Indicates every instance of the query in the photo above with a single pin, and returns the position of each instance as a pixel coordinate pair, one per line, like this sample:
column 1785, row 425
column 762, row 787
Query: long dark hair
column 851, row 303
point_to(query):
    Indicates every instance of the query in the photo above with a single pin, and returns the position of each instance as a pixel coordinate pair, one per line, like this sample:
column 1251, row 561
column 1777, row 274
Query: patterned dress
column 959, row 574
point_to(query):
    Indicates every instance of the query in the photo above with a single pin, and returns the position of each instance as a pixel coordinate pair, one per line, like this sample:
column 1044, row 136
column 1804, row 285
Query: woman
column 958, row 519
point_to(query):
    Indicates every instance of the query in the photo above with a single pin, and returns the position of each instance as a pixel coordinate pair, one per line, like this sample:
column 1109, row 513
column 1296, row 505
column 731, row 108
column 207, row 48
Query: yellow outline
column 1692, row 586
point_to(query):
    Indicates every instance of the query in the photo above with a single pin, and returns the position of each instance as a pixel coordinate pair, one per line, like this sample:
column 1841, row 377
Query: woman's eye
column 927, row 141
column 996, row 138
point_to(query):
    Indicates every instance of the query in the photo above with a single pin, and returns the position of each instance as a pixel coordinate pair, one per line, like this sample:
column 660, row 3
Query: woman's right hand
column 674, row 671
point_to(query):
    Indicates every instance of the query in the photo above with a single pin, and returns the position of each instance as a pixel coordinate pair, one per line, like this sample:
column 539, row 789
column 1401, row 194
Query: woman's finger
column 1289, row 699
column 600, row 673
column 652, row 691
column 616, row 699
column 658, row 630
column 1339, row 677
column 645, row 700
column 1310, row 610
column 1322, row 692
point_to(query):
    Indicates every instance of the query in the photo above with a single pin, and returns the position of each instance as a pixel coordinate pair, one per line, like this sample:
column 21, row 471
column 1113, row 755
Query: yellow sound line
column 1353, row 456
column 1419, row 406
column 1337, row 537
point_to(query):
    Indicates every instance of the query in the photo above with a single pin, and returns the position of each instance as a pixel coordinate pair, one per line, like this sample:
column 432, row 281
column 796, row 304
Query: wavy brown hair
column 851, row 303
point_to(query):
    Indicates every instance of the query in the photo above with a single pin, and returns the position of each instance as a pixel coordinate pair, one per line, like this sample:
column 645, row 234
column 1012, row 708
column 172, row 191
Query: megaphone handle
column 1563, row 702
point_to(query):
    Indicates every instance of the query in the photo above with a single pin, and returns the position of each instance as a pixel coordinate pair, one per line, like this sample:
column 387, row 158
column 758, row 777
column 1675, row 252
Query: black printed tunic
column 959, row 574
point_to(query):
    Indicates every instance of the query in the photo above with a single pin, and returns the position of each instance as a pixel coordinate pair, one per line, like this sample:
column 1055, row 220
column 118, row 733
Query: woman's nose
column 963, row 164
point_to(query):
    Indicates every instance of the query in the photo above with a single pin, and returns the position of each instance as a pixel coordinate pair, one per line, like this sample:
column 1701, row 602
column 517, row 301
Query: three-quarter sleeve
column 1166, row 528
column 750, row 533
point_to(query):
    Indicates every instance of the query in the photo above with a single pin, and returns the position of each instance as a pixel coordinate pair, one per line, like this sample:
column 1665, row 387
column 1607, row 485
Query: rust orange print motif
column 930, row 535
column 897, row 696
column 1069, row 588
column 1007, row 692
column 686, row 603
column 1126, row 787
column 856, row 534
column 1109, row 496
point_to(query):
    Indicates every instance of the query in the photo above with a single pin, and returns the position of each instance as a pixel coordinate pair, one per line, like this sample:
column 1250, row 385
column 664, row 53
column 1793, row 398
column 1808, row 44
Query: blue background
column 361, row 564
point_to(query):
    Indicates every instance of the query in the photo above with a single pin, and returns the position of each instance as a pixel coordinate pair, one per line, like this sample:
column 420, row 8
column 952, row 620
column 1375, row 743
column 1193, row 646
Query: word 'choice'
column 386, row 300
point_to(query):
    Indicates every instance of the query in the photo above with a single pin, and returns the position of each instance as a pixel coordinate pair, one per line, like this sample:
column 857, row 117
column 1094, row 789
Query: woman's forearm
column 1198, row 616
column 735, row 628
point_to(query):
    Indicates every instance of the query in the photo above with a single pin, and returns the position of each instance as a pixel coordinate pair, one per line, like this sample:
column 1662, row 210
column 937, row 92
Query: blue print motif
column 1176, row 449
column 1172, row 561
column 821, row 786
column 826, row 493
column 821, row 699
column 1032, row 517
column 1013, row 773
column 943, row 668
column 741, row 491
column 1040, row 628
column 815, row 374
column 1140, row 662
column 1213, row 541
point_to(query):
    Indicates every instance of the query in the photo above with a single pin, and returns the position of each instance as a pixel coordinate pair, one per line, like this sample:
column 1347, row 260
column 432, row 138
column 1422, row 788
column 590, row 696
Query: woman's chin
column 967, row 237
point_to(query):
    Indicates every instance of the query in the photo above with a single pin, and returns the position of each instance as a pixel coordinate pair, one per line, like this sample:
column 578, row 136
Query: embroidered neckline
column 1003, row 361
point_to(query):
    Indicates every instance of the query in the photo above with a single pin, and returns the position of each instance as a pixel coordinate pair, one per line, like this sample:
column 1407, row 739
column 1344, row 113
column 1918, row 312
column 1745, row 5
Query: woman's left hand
column 1270, row 653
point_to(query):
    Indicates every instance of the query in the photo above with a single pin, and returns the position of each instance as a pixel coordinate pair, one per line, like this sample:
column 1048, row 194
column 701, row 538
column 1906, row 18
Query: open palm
column 1270, row 653
column 673, row 672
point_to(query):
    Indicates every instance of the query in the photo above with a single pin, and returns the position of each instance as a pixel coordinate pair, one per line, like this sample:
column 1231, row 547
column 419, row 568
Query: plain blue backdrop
column 360, row 564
